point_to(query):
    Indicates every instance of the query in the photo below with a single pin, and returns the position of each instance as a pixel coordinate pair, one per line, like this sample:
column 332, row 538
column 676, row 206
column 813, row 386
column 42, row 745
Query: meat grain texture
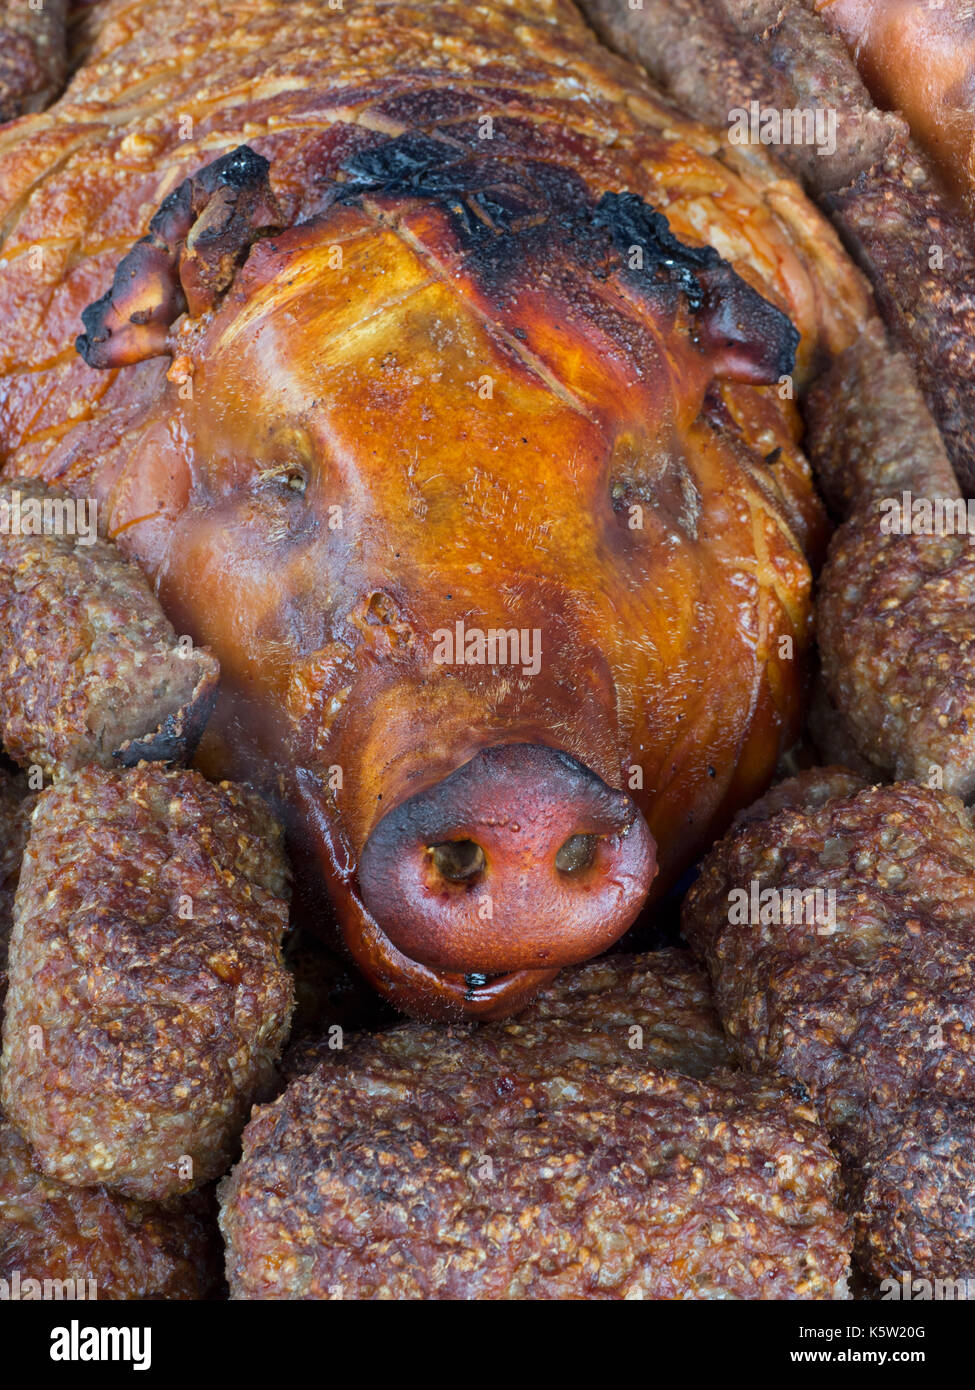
column 16, row 806
column 898, row 647
column 91, row 670
column 148, row 997
column 876, row 1017
column 118, row 1248
column 573, row 1153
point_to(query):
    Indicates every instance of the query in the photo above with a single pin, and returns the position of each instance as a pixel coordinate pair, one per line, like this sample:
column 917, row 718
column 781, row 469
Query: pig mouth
column 520, row 862
column 469, row 896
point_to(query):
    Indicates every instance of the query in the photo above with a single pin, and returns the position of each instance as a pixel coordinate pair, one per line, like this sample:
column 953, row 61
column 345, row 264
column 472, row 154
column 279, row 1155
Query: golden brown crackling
column 91, row 670
column 308, row 95
column 594, row 1155
column 885, row 199
column 875, row 1018
column 130, row 1250
column 304, row 94
column 158, row 1028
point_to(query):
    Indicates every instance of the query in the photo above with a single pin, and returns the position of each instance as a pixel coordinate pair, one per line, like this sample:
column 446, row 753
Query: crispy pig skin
column 602, row 265
column 886, row 200
column 877, row 1017
column 91, row 668
column 137, row 1035
column 130, row 1250
column 546, row 1157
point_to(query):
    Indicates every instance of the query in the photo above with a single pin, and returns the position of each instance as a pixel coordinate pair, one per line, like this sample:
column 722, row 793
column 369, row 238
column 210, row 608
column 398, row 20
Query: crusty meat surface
column 92, row 670
column 885, row 199
column 831, row 738
column 130, row 1250
column 893, row 608
column 33, row 59
column 919, row 253
column 714, row 56
column 912, row 1193
column 547, row 1157
column 876, row 1016
column 806, row 791
column 15, row 811
column 897, row 644
column 148, row 998
column 856, row 455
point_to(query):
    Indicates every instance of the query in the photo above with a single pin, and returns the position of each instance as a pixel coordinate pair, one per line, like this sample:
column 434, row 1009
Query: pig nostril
column 576, row 854
column 457, row 860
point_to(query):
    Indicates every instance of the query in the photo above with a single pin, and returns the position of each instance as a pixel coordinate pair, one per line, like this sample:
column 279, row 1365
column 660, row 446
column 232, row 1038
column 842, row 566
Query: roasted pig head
column 484, row 491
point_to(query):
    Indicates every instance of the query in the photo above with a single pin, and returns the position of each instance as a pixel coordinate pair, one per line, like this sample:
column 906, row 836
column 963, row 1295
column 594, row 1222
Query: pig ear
column 196, row 242
column 746, row 337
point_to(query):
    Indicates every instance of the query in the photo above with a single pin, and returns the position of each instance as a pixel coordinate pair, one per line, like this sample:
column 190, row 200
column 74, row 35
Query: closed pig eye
column 288, row 461
column 293, row 476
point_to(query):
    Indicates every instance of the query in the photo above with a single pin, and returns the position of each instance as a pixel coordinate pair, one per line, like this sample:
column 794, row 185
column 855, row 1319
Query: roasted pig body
column 442, row 378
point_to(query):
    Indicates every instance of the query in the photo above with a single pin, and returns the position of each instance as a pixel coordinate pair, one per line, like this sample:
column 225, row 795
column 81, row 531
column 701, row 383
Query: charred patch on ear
column 196, row 242
column 517, row 218
column 752, row 339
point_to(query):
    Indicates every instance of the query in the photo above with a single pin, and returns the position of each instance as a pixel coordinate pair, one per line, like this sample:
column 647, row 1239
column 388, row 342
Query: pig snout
column 520, row 859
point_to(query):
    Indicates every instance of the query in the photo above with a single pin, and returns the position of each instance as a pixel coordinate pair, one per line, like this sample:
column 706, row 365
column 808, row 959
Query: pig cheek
column 154, row 485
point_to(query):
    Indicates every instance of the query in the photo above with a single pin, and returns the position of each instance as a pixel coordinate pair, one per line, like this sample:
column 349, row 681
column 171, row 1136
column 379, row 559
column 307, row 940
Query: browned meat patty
column 33, row 59
column 15, row 811
column 918, row 251
column 897, row 643
column 856, row 455
column 553, row 1156
column 804, row 792
column 874, row 1010
column 92, row 670
column 148, row 998
column 886, row 200
column 118, row 1248
column 893, row 609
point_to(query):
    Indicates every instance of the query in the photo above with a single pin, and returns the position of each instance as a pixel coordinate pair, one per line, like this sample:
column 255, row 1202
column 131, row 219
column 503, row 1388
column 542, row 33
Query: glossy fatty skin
column 429, row 402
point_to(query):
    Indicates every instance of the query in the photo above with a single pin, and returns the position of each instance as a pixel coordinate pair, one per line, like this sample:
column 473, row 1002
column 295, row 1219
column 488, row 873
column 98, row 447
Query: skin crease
column 363, row 381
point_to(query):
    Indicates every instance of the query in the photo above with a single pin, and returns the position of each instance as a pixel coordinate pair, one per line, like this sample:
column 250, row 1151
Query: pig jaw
column 435, row 768
column 520, row 862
